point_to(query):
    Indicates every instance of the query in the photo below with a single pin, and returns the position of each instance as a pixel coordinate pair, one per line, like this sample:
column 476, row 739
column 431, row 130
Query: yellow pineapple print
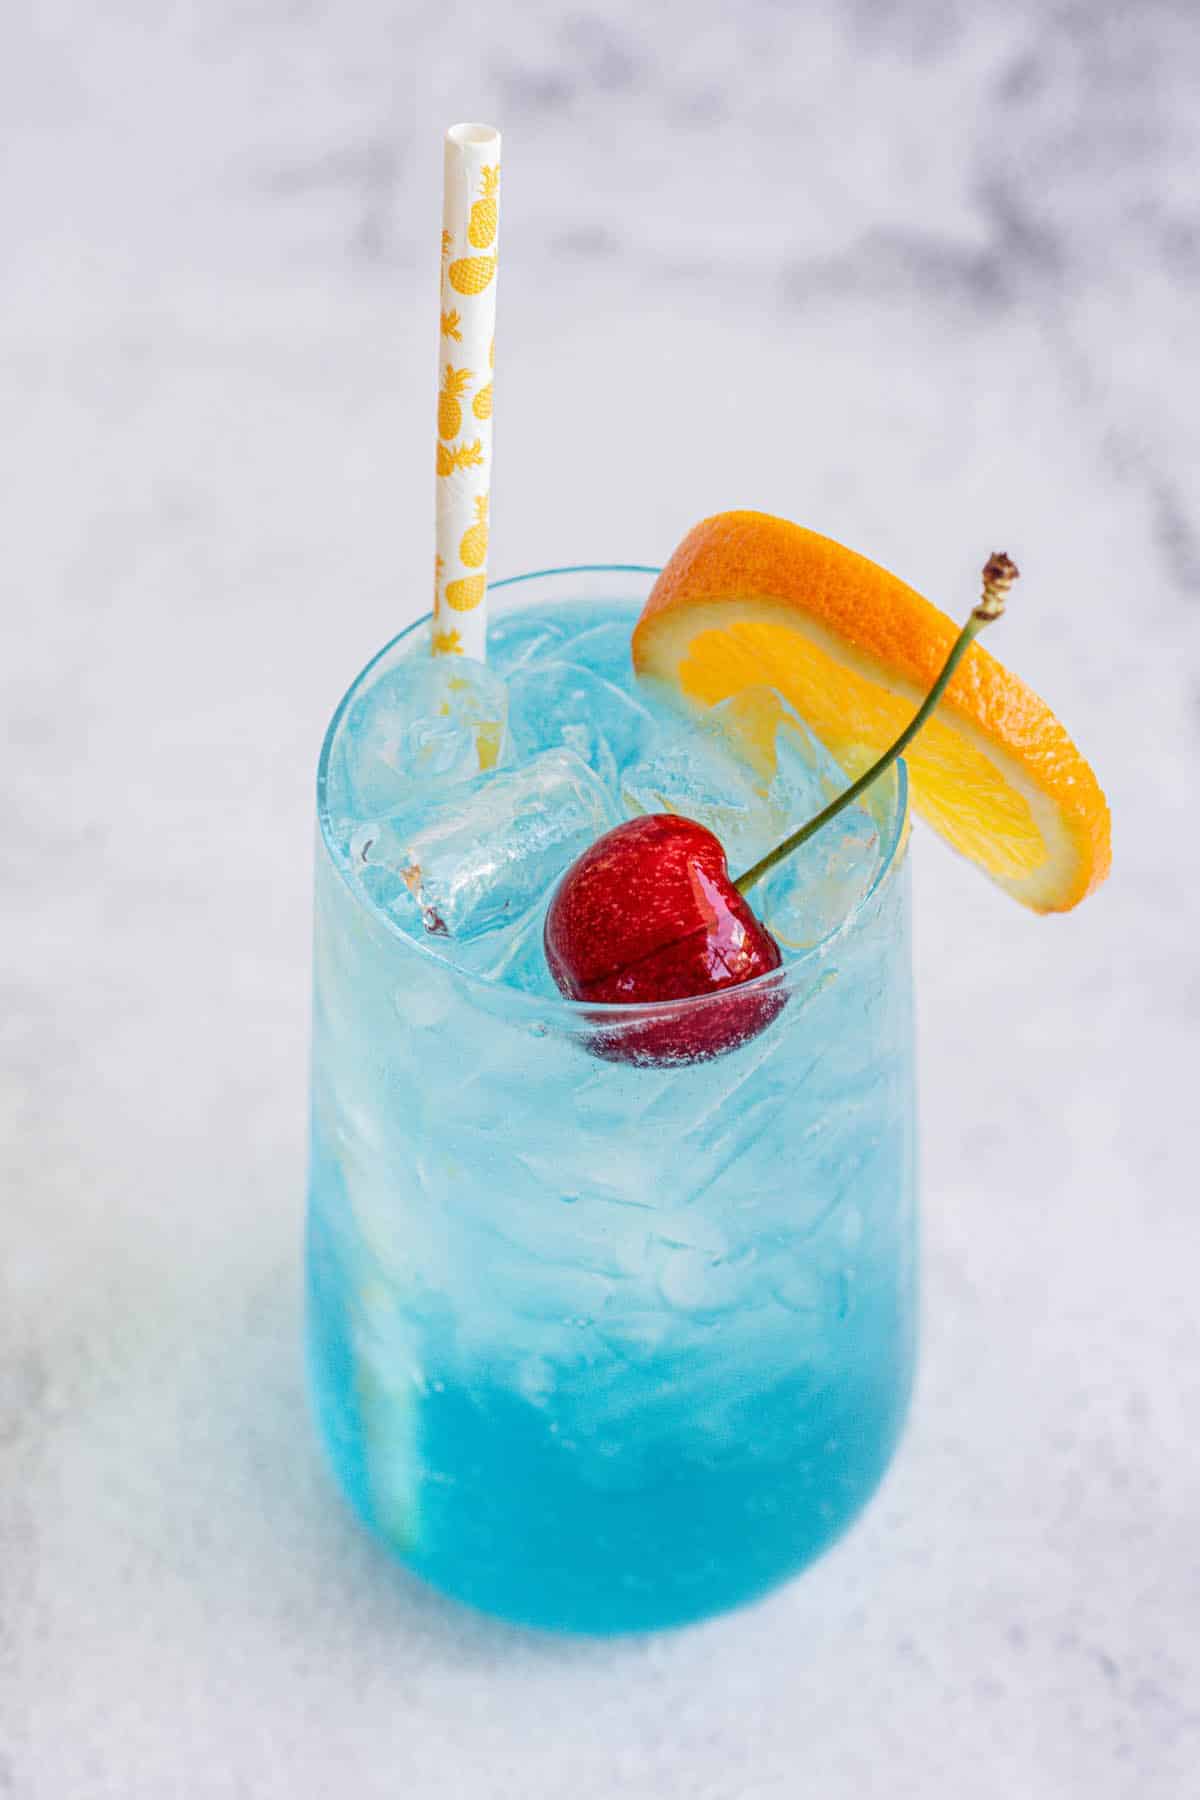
column 450, row 416
column 446, row 242
column 485, row 214
column 473, row 548
column 481, row 406
column 450, row 324
column 489, row 735
column 467, row 456
column 472, row 274
column 466, row 594
column 447, row 643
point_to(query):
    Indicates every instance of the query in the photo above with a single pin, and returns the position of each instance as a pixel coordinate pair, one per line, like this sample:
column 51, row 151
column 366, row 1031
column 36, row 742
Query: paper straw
column 470, row 219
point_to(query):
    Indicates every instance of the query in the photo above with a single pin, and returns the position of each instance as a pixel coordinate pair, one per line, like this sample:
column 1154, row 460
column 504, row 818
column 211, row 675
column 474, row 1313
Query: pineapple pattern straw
column 450, row 412
column 485, row 213
column 473, row 549
column 469, row 258
column 481, row 405
column 467, row 456
column 472, row 274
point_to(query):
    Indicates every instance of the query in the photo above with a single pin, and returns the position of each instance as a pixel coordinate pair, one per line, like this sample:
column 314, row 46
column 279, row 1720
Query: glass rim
column 558, row 1009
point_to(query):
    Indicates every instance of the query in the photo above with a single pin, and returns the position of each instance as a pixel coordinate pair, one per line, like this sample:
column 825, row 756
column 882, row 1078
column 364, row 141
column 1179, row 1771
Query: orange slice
column 749, row 600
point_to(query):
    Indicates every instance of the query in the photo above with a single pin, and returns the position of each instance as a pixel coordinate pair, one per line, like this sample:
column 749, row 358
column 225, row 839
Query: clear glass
column 595, row 1346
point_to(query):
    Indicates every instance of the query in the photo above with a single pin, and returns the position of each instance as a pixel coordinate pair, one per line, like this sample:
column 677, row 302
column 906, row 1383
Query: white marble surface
column 924, row 275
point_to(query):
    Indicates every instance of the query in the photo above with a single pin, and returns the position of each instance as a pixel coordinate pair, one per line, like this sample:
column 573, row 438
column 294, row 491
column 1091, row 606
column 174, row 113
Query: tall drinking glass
column 594, row 1345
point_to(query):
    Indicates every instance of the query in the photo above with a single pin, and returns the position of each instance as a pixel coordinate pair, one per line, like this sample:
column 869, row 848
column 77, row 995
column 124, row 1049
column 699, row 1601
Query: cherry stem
column 999, row 573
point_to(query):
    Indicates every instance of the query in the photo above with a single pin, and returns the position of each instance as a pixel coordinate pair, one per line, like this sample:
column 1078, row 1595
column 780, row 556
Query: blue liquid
column 599, row 1347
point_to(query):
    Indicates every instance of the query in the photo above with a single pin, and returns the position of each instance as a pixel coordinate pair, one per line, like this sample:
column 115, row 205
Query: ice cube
column 808, row 895
column 483, row 853
column 519, row 956
column 695, row 1282
column 564, row 703
column 605, row 650
column 699, row 782
column 519, row 638
column 383, row 885
column 748, row 768
column 513, row 953
column 428, row 722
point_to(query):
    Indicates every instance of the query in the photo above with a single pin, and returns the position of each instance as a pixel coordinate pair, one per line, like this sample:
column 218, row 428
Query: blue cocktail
column 597, row 1345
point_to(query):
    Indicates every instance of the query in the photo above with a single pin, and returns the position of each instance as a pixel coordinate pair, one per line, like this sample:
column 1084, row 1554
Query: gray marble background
column 924, row 275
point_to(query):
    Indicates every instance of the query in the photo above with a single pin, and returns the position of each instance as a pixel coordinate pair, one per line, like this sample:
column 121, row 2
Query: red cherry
column 649, row 913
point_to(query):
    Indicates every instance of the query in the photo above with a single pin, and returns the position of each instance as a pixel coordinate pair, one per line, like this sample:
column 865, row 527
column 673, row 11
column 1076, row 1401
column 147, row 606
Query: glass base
column 483, row 1491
